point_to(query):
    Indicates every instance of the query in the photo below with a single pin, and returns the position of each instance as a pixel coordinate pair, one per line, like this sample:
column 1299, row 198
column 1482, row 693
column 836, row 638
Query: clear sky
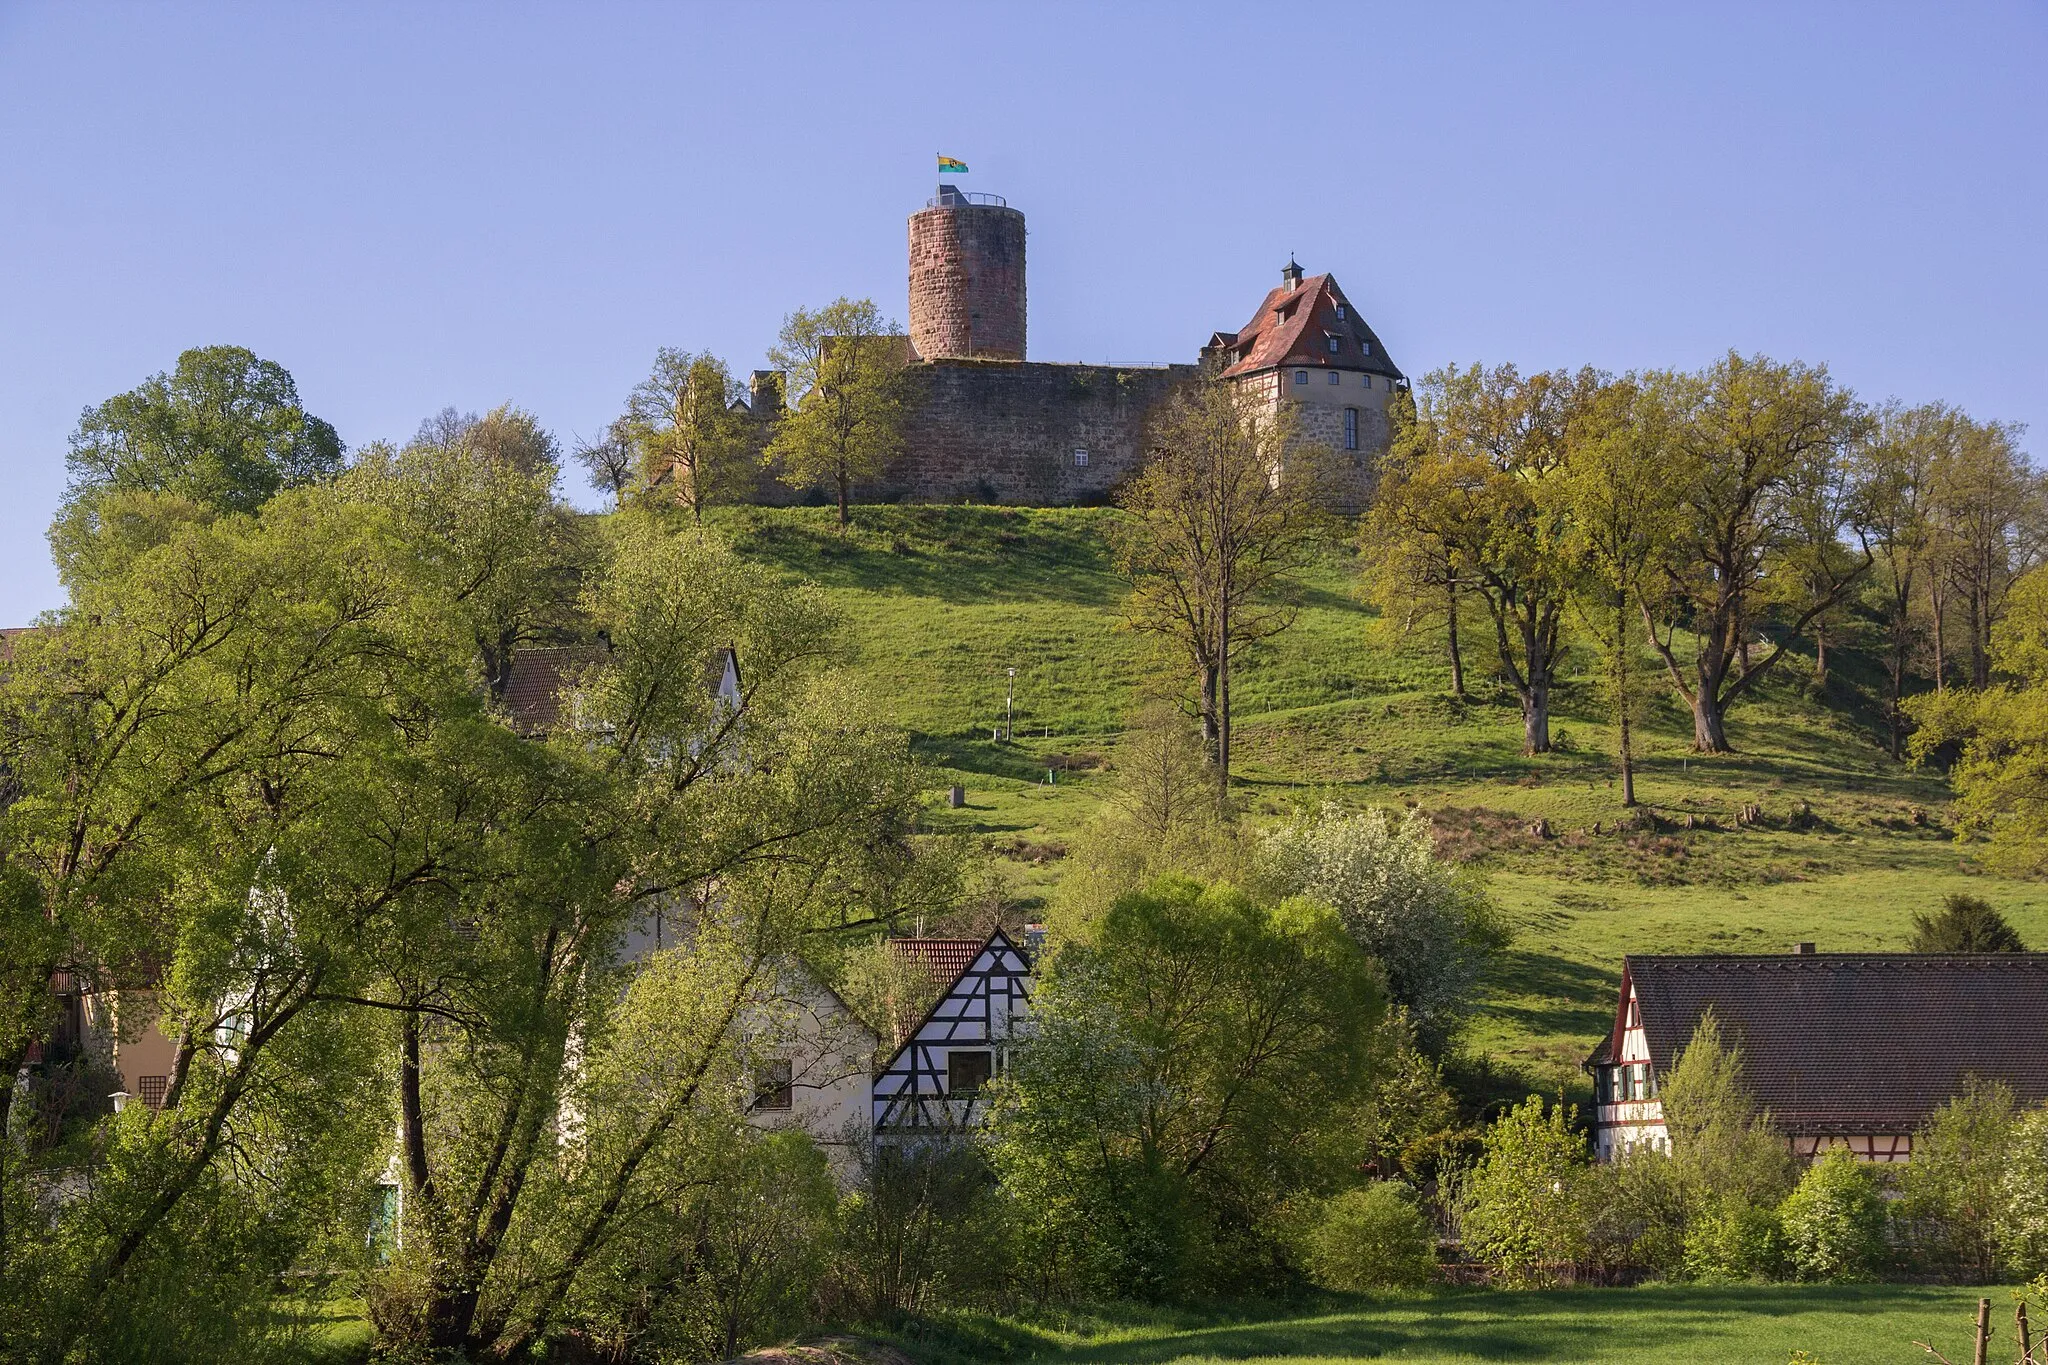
column 422, row 205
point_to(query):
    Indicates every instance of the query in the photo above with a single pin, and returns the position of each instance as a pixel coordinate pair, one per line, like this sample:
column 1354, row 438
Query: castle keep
column 988, row 424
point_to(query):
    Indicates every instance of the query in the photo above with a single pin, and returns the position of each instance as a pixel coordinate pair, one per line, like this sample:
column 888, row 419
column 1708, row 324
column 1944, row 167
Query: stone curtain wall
column 967, row 282
column 991, row 431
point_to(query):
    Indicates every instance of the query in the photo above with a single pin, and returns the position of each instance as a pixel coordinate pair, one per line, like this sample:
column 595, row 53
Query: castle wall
column 1319, row 408
column 993, row 431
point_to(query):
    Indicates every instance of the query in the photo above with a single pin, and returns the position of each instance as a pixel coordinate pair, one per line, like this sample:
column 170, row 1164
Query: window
column 967, row 1072
column 1635, row 1015
column 1080, row 459
column 1335, row 345
column 1365, row 348
column 1301, row 376
column 774, row 1086
column 1340, row 312
column 1335, row 377
column 153, row 1088
column 1351, row 428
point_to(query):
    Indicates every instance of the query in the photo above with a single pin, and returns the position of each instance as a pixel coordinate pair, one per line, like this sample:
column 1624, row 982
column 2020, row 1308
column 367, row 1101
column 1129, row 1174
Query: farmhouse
column 1850, row 1050
column 933, row 1083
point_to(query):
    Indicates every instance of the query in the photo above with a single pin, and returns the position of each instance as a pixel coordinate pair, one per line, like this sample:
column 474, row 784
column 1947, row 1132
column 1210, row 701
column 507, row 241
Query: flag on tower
column 950, row 166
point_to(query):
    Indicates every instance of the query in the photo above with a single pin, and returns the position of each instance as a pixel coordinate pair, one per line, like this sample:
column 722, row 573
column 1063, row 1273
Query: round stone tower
column 967, row 277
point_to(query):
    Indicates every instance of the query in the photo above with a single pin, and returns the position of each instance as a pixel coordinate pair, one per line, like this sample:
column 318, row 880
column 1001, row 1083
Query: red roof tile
column 1294, row 327
column 1855, row 1042
column 944, row 958
column 540, row 675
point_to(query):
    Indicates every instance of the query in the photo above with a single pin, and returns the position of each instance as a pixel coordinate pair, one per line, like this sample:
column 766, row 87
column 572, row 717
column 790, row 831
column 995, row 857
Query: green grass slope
column 943, row 601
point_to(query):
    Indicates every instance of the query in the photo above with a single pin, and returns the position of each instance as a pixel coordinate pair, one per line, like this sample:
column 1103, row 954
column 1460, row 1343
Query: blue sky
column 423, row 205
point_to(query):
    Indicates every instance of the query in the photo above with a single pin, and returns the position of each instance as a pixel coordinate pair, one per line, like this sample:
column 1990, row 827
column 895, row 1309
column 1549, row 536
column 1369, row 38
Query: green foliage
column 1728, row 1240
column 924, row 1229
column 845, row 423
column 1371, row 1237
column 1429, row 925
column 2021, row 1221
column 1190, row 1071
column 1834, row 1221
column 1524, row 1207
column 224, row 430
column 690, row 443
column 1964, row 924
column 1955, row 1183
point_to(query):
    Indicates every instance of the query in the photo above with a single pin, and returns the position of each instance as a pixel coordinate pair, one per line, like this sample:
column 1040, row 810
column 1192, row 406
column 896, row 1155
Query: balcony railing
column 945, row 199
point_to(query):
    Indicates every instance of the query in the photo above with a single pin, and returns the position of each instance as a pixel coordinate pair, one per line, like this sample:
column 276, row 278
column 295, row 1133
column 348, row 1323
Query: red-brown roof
column 540, row 676
column 944, row 958
column 1855, row 1042
column 1295, row 326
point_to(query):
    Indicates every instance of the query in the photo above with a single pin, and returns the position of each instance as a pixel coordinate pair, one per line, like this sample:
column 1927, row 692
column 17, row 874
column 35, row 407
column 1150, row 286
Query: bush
column 1731, row 1240
column 1525, row 1204
column 2021, row 1224
column 1370, row 1238
column 1834, row 1221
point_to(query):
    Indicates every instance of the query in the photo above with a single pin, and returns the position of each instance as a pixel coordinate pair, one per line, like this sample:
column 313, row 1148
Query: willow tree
column 1226, row 511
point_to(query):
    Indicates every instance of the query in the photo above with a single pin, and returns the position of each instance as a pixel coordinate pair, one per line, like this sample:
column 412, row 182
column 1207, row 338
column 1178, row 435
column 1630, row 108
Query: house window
column 1340, row 312
column 1080, row 459
column 1368, row 380
column 967, row 1072
column 1301, row 376
column 1365, row 348
column 1335, row 345
column 1335, row 376
column 1635, row 1015
column 1351, row 428
column 774, row 1085
column 153, row 1088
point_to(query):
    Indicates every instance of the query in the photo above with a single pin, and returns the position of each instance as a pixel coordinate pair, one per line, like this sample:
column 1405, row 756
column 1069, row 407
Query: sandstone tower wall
column 966, row 279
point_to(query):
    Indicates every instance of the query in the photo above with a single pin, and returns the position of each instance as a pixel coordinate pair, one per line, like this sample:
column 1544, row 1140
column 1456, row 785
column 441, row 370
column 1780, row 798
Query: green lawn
column 942, row 601
column 1699, row 1325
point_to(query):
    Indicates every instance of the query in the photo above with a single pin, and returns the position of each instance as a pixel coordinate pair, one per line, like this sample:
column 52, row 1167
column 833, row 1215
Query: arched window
column 1301, row 376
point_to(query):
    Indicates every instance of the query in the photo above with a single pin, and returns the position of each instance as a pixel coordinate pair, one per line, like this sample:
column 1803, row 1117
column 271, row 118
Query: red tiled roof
column 533, row 694
column 944, row 958
column 1294, row 327
column 1855, row 1042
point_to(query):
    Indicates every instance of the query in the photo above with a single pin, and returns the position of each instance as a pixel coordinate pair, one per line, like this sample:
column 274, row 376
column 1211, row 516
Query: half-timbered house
column 933, row 1083
column 1850, row 1050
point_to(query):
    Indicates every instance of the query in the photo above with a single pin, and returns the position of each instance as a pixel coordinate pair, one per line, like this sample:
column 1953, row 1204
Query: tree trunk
column 1980, row 635
column 1223, row 701
column 1820, row 654
column 1205, row 684
column 1457, row 655
column 419, row 1179
column 1622, row 699
column 1934, row 603
column 840, row 481
column 1709, row 727
column 1536, row 717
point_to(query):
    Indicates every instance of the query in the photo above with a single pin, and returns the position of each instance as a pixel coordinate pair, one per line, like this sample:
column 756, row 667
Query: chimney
column 764, row 394
column 1802, row 950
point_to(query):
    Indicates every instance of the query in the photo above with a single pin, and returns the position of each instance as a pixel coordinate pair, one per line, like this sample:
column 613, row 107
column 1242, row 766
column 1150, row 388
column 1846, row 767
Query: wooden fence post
column 1983, row 1354
column 2019, row 1317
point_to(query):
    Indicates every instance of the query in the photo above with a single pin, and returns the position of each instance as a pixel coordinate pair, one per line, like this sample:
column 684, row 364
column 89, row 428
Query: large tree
column 686, row 432
column 224, row 430
column 1991, row 514
column 1465, row 476
column 1226, row 510
column 1900, row 457
column 845, row 367
column 1754, row 443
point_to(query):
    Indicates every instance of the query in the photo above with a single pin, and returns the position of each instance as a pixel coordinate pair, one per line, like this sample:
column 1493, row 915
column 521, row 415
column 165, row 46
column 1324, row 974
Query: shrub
column 1955, row 1183
column 1965, row 924
column 1524, row 1205
column 2021, row 1223
column 1834, row 1221
column 1370, row 1238
column 1731, row 1240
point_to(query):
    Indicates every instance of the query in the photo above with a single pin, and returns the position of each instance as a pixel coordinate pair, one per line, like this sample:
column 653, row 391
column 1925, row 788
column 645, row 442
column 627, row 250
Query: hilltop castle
column 987, row 424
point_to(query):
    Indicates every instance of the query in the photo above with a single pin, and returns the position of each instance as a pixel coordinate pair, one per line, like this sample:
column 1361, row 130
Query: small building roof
column 944, row 958
column 1291, row 328
column 540, row 676
column 1851, row 1042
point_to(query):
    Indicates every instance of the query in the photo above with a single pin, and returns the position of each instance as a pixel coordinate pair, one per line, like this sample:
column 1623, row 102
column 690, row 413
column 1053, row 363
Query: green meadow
column 942, row 602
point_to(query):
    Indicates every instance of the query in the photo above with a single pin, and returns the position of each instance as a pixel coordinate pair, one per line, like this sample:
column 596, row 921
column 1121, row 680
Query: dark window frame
column 960, row 1079
column 775, row 1085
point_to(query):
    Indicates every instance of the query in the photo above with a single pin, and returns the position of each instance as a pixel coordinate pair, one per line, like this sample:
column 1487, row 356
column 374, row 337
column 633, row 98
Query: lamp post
column 1010, row 710
column 120, row 1099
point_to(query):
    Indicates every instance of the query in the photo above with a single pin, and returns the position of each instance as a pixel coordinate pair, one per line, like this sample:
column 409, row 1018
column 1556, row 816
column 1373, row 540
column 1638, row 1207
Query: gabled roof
column 1853, row 1042
column 944, row 958
column 1293, row 326
column 540, row 676
column 984, row 1002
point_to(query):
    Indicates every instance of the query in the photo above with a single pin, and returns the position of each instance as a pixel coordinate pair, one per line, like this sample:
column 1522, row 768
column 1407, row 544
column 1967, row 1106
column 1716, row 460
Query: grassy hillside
column 943, row 601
